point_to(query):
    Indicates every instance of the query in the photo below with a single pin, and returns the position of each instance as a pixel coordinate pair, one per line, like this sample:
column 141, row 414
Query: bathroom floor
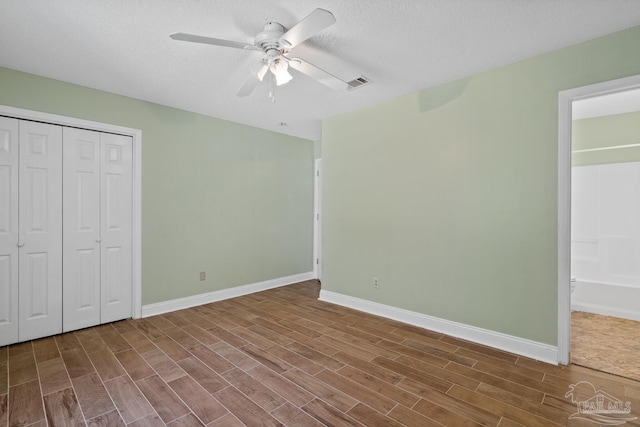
column 608, row 344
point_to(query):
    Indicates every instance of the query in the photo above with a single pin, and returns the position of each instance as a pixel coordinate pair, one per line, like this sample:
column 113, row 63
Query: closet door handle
column 20, row 244
column 98, row 240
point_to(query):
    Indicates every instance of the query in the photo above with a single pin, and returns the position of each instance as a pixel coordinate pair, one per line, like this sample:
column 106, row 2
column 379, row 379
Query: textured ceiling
column 122, row 46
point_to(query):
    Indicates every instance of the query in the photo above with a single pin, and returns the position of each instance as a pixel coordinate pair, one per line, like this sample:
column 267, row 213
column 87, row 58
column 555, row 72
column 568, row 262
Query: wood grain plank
column 371, row 417
column 235, row 356
column 372, row 369
column 267, row 359
column 507, row 385
column 415, row 374
column 151, row 420
column 91, row 340
column 53, row 376
column 543, row 411
column 110, row 419
column 408, row 417
column 266, row 398
column 67, row 341
column 138, row 341
column 290, row 415
column 134, row 365
column 280, row 385
column 4, row 410
column 329, row 415
column 171, row 348
column 357, row 391
column 315, row 356
column 379, row 386
column 161, row 322
column 45, row 349
column 443, row 415
column 129, row 401
column 202, row 335
column 147, row 328
column 92, row 396
column 4, row 378
column 197, row 399
column 166, row 403
column 188, row 420
column 228, row 420
column 319, row 388
column 204, row 376
column 113, row 340
column 22, row 368
column 212, row 359
column 274, row 337
column 106, row 365
column 25, row 403
column 245, row 409
column 450, row 403
column 77, row 362
column 294, row 359
column 229, row 336
column 123, row 326
column 62, row 408
column 500, row 408
column 165, row 367
column 443, row 374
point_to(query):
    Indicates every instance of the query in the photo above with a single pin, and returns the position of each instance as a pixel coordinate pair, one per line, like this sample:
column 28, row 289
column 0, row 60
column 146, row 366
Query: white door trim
column 565, row 99
column 136, row 135
column 317, row 220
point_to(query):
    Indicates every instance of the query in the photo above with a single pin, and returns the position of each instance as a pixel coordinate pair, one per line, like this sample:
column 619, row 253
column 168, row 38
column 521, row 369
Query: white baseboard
column 606, row 299
column 606, row 311
column 192, row 301
column 524, row 347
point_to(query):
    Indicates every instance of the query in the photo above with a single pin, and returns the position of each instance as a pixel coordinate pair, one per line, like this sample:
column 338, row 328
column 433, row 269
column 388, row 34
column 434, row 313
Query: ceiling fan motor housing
column 269, row 39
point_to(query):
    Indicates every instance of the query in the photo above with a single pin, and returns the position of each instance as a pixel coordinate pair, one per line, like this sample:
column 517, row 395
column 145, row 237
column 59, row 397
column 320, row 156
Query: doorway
column 570, row 100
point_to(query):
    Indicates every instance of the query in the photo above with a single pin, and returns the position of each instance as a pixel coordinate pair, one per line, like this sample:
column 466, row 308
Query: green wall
column 448, row 195
column 220, row 197
column 606, row 131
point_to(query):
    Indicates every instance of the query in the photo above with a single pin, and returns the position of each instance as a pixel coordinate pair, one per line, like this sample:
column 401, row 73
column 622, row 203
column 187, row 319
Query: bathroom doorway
column 604, row 232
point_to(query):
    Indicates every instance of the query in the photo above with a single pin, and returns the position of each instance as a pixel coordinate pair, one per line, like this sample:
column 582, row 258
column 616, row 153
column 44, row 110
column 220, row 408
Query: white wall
column 605, row 239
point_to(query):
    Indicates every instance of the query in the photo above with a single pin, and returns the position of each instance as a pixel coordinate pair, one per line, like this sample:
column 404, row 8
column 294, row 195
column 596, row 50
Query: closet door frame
column 136, row 137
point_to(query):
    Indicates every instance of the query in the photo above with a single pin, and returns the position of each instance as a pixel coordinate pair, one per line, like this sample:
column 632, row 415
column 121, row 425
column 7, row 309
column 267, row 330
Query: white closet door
column 81, row 246
column 40, row 225
column 116, row 218
column 8, row 231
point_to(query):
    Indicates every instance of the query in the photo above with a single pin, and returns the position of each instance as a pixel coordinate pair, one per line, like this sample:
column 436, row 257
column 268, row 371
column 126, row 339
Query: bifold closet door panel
column 8, row 231
column 81, row 219
column 40, row 230
column 116, row 206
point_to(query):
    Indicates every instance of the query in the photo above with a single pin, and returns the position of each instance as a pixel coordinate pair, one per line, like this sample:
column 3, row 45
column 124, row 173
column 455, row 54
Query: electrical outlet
column 376, row 283
column 202, row 276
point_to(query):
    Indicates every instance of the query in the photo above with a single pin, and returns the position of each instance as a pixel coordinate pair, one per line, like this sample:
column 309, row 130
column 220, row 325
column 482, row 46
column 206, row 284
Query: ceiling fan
column 276, row 44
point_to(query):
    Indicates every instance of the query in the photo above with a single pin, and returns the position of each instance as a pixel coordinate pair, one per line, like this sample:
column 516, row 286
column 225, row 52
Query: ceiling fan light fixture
column 280, row 70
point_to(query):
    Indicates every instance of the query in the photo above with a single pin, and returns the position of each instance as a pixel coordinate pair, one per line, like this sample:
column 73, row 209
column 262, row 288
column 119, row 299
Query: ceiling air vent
column 359, row 82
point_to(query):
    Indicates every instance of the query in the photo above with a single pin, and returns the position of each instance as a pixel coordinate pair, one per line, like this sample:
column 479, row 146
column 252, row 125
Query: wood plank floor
column 281, row 357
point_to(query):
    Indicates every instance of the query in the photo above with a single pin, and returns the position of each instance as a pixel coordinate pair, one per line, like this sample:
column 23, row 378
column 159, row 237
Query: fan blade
column 252, row 81
column 313, row 23
column 210, row 40
column 318, row 74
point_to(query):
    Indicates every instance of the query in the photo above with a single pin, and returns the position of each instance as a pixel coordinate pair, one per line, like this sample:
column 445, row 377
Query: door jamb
column 565, row 99
column 317, row 221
